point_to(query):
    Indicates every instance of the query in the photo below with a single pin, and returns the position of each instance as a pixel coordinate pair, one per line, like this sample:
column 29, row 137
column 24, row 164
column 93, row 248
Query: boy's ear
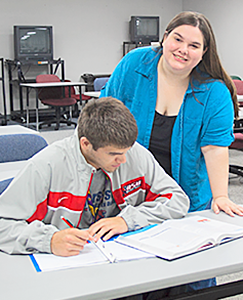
column 84, row 142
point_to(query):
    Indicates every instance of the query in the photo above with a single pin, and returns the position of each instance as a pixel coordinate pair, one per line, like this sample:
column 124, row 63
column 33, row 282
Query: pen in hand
column 67, row 222
column 99, row 244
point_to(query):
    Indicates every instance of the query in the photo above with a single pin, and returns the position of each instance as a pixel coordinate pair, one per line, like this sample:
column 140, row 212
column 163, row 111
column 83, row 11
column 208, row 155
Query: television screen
column 33, row 43
column 147, row 27
column 144, row 29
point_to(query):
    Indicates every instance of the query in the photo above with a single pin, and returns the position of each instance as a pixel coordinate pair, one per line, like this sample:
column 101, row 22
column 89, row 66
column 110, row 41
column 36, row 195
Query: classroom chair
column 54, row 97
column 235, row 77
column 99, row 83
column 238, row 131
column 71, row 92
column 18, row 147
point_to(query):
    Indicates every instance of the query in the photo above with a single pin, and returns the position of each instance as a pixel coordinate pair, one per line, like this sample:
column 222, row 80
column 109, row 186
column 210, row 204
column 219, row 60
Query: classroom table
column 19, row 279
column 240, row 98
column 16, row 129
column 37, row 86
column 93, row 94
column 11, row 169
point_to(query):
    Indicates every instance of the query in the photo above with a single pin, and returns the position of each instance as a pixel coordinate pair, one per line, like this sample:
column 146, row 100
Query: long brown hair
column 210, row 63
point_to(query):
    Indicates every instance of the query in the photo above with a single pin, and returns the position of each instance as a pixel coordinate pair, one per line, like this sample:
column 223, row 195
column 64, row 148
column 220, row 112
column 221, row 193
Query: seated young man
column 99, row 179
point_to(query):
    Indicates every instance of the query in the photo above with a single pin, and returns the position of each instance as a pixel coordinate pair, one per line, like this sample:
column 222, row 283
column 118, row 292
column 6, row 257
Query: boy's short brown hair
column 107, row 122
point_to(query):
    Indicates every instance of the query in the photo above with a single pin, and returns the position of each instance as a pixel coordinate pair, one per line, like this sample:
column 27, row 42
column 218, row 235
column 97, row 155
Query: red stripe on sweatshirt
column 66, row 199
column 152, row 196
column 40, row 212
column 55, row 200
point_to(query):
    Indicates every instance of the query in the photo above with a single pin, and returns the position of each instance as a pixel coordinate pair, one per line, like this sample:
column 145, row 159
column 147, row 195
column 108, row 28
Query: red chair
column 239, row 86
column 71, row 92
column 237, row 145
column 239, row 122
column 53, row 96
column 238, row 130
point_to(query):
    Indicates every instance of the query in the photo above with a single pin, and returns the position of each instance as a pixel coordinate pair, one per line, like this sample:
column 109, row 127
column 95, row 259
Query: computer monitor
column 144, row 29
column 33, row 44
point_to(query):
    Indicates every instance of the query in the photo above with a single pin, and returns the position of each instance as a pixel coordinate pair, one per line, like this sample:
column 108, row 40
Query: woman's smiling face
column 183, row 49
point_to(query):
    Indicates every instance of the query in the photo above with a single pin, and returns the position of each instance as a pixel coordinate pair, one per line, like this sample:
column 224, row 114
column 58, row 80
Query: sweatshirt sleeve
column 27, row 191
column 161, row 198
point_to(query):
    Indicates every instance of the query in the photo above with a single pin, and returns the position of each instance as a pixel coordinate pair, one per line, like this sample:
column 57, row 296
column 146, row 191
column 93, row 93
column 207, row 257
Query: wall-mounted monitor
column 33, row 44
column 144, row 29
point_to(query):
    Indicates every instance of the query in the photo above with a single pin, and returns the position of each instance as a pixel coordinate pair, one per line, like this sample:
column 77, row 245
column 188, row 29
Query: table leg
column 80, row 96
column 27, row 107
column 37, row 111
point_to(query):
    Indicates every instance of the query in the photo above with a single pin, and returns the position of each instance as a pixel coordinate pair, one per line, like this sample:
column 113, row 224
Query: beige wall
column 88, row 34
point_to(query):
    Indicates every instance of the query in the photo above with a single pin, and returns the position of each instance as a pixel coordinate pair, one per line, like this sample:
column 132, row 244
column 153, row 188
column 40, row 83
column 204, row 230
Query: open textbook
column 176, row 238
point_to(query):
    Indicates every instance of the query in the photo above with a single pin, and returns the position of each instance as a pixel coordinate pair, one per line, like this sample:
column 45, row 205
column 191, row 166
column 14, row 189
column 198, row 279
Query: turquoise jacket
column 205, row 118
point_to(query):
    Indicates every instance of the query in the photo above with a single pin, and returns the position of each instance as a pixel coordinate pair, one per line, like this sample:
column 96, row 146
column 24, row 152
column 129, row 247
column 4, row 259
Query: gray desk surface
column 240, row 98
column 93, row 94
column 19, row 280
column 11, row 169
column 16, row 129
column 52, row 84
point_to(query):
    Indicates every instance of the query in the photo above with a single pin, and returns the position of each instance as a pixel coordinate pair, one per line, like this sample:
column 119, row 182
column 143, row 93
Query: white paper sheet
column 89, row 256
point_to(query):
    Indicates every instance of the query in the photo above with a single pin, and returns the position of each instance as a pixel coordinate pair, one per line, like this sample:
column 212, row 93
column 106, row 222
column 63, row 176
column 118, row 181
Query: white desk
column 92, row 94
column 36, row 86
column 16, row 129
column 11, row 169
column 19, row 280
column 240, row 98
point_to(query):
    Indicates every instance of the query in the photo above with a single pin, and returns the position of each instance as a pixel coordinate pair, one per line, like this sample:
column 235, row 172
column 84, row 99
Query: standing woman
column 184, row 104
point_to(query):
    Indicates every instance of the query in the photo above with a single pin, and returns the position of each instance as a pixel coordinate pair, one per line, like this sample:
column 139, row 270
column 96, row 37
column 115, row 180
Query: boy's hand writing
column 69, row 242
